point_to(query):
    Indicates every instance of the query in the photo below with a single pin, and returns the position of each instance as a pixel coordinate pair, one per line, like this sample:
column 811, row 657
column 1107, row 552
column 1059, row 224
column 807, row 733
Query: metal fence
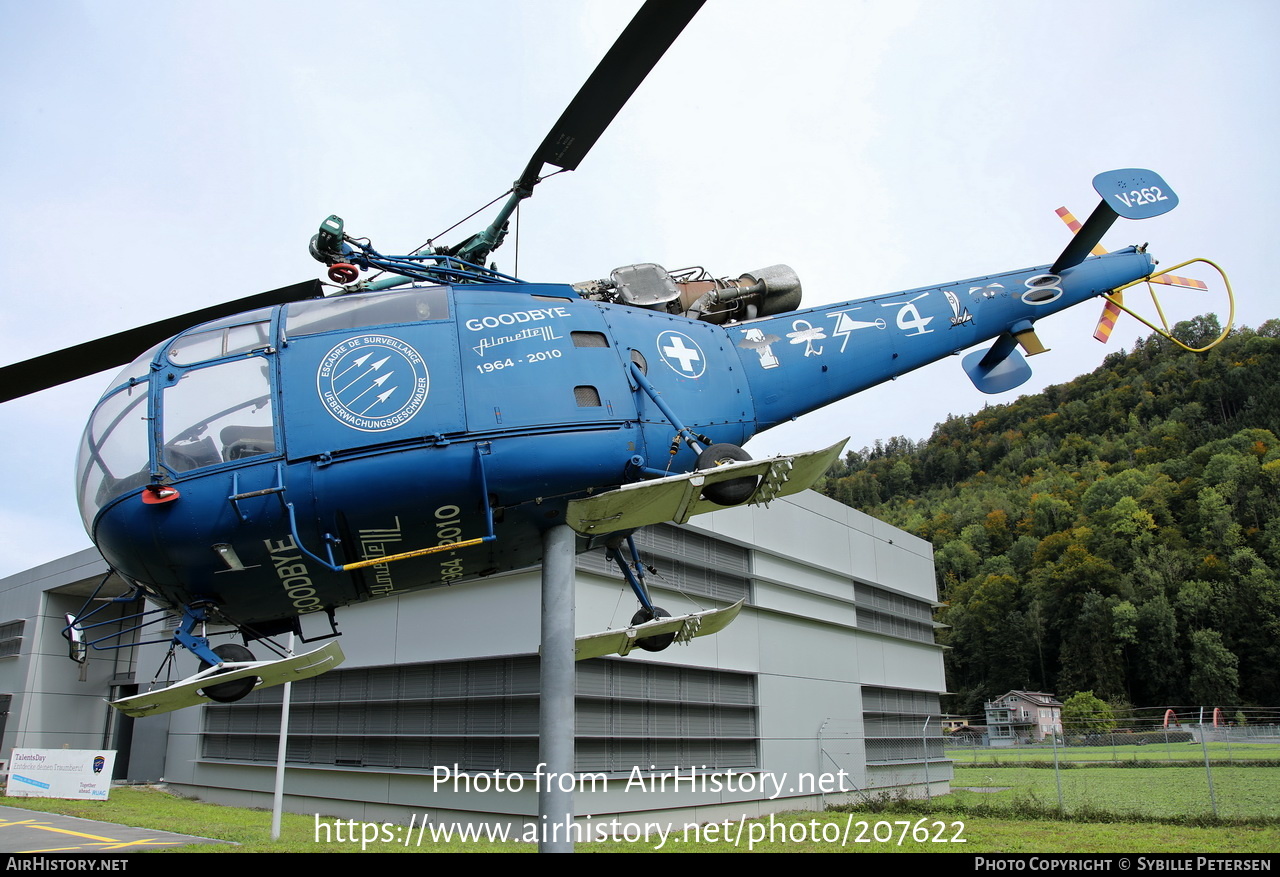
column 1229, row 772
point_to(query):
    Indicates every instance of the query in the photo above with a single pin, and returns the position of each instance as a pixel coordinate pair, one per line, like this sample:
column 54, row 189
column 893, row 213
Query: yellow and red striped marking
column 1107, row 322
column 1110, row 313
column 1074, row 224
column 1184, row 282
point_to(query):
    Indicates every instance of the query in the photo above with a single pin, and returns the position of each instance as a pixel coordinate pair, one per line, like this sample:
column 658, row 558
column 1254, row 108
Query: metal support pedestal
column 556, row 709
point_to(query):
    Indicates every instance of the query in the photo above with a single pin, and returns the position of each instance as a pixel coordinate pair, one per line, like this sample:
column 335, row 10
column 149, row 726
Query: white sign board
column 61, row 773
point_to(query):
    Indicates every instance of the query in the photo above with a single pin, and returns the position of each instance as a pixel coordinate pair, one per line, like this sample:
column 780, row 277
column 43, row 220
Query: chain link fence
column 1133, row 766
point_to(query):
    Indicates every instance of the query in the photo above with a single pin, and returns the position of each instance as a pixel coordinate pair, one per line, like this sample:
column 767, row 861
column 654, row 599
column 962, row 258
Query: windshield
column 114, row 456
column 208, row 415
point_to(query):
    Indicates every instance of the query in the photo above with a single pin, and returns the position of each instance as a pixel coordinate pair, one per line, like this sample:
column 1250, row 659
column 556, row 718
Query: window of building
column 11, row 638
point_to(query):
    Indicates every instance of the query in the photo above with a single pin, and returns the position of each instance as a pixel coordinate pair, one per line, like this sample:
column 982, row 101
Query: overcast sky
column 156, row 157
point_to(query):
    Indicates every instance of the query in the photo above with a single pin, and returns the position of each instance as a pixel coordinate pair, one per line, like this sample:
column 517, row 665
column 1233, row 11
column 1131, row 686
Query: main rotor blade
column 648, row 36
column 52, row 369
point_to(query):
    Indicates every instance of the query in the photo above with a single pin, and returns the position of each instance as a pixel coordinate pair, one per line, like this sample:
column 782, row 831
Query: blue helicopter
column 293, row 452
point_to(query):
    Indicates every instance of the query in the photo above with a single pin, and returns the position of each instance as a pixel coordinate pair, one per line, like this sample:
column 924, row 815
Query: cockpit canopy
column 208, row 391
column 209, row 394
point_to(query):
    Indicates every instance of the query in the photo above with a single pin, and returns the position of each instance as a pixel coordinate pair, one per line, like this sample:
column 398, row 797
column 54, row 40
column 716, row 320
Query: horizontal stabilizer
column 996, row 374
column 188, row 691
column 685, row 627
column 679, row 497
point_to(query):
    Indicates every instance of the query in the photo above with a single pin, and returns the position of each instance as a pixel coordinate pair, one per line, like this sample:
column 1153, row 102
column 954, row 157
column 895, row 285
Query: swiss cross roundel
column 682, row 354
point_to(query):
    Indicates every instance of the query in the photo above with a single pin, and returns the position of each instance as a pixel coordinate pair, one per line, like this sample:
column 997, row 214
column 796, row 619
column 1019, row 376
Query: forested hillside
column 1120, row 533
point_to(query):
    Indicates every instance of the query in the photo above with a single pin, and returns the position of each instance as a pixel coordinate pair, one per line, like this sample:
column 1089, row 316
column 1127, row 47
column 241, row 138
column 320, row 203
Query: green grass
column 1175, row 752
column 1167, row 793
column 987, row 827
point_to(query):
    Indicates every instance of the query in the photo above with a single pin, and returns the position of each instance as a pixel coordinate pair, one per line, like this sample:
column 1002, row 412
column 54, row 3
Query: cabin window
column 348, row 312
column 218, row 415
column 137, row 370
column 218, row 343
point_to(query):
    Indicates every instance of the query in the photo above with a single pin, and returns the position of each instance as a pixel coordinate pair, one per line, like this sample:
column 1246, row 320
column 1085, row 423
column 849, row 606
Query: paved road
column 28, row 831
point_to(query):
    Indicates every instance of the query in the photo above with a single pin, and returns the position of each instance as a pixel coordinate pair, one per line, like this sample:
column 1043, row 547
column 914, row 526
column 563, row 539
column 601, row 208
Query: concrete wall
column 56, row 704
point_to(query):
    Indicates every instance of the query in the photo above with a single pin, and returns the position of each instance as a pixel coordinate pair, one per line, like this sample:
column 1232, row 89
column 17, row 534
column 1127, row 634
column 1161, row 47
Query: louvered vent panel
column 483, row 716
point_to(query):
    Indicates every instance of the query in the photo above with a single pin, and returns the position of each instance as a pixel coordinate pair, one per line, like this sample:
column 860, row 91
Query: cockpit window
column 216, row 343
column 348, row 312
column 217, row 415
column 211, row 415
column 139, row 368
column 114, row 451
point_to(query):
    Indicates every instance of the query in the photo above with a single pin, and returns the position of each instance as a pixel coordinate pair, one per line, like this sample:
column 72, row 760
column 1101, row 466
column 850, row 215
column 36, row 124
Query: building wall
column 55, row 704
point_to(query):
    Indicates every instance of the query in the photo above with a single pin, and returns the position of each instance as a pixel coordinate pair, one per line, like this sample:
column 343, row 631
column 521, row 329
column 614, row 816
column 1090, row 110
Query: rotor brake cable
column 431, row 240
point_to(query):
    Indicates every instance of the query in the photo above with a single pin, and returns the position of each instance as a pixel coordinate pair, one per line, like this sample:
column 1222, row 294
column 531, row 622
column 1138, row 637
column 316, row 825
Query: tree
column 1198, row 331
column 1084, row 713
column 1122, row 535
column 1160, row 661
column 1215, row 679
column 1090, row 654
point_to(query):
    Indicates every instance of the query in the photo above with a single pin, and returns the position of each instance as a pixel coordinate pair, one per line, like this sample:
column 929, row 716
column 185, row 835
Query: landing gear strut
column 647, row 612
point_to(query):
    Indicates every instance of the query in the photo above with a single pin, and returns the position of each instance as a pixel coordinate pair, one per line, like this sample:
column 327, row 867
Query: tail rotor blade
column 1107, row 322
column 1110, row 311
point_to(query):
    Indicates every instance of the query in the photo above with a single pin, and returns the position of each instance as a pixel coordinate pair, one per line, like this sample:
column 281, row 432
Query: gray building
column 824, row 689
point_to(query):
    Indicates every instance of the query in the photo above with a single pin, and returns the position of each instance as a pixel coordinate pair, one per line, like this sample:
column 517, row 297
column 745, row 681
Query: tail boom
column 800, row 361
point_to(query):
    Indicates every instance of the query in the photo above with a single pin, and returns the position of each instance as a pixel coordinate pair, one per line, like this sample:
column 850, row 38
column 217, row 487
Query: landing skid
column 685, row 627
column 679, row 497
column 188, row 691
